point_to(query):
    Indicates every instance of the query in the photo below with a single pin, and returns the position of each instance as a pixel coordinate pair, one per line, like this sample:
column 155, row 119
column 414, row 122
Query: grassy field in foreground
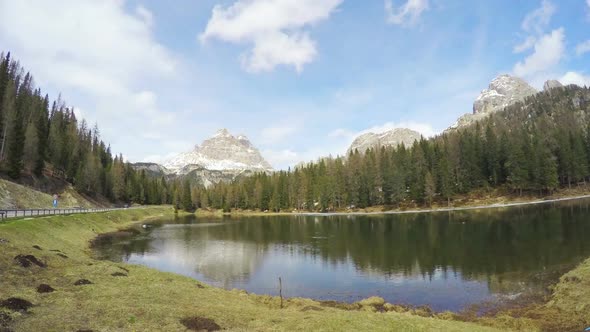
column 134, row 298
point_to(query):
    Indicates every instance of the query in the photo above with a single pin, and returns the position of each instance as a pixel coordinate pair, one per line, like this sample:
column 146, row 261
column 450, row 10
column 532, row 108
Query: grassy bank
column 125, row 297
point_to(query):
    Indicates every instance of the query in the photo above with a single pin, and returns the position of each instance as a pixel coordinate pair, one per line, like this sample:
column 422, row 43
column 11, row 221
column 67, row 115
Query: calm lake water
column 448, row 260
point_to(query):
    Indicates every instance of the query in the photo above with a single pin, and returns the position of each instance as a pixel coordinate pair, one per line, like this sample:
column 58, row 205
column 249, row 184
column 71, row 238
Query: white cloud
column 92, row 45
column 537, row 20
column 548, row 48
column 281, row 159
column 406, row 14
column 274, row 28
column 583, row 48
column 525, row 45
column 575, row 78
column 548, row 52
column 145, row 15
column 101, row 56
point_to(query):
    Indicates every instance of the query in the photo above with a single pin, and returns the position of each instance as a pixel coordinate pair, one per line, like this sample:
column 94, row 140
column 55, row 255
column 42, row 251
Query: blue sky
column 300, row 78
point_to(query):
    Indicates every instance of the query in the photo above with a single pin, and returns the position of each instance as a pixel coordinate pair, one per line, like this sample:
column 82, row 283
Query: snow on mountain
column 221, row 152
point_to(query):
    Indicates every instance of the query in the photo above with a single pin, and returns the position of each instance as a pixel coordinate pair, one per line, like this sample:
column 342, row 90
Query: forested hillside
column 44, row 139
column 536, row 146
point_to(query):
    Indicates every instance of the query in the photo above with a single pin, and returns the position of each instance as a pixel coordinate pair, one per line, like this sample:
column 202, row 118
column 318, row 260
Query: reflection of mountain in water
column 507, row 249
column 220, row 262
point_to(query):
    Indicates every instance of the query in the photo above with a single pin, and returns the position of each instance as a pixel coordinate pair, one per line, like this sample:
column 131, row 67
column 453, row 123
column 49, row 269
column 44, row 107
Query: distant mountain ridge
column 222, row 157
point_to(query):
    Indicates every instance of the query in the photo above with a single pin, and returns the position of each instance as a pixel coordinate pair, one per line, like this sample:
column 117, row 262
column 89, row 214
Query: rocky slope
column 152, row 169
column 222, row 157
column 391, row 137
column 504, row 90
column 552, row 84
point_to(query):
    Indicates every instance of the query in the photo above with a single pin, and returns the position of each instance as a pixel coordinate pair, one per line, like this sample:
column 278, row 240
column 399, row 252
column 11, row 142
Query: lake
column 446, row 260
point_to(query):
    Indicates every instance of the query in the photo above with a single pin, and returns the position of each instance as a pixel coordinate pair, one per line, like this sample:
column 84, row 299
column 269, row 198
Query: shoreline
column 111, row 301
column 250, row 213
column 450, row 209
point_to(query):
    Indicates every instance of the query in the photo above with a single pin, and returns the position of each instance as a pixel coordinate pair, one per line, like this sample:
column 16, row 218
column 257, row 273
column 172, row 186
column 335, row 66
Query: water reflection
column 446, row 260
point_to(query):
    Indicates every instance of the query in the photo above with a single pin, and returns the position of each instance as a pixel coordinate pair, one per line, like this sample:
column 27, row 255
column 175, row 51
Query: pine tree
column 9, row 116
column 15, row 143
column 429, row 188
column 31, row 149
column 187, row 200
column 517, row 167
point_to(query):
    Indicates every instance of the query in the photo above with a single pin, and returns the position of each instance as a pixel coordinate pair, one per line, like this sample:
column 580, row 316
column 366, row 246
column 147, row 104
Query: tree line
column 535, row 146
column 42, row 138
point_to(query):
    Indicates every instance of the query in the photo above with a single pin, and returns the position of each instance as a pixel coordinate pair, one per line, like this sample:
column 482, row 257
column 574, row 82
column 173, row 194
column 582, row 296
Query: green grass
column 150, row 300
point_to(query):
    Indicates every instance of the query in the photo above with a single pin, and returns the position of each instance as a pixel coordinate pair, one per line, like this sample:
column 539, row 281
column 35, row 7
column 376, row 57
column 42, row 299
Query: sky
column 300, row 78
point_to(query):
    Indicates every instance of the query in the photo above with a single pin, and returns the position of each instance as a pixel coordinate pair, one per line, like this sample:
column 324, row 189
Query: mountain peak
column 503, row 91
column 551, row 84
column 222, row 151
column 392, row 137
column 222, row 133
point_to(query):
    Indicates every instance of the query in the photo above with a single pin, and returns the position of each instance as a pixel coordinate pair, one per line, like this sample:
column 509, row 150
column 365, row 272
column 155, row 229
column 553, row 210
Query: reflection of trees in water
column 494, row 245
column 476, row 243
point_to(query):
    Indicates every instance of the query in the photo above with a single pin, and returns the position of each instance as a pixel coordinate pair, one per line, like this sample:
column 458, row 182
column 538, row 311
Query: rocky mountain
column 222, row 157
column 391, row 137
column 151, row 169
column 223, row 151
column 504, row 90
column 551, row 84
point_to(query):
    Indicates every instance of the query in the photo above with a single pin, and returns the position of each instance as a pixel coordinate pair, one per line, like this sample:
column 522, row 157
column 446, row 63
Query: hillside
column 45, row 141
column 16, row 196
